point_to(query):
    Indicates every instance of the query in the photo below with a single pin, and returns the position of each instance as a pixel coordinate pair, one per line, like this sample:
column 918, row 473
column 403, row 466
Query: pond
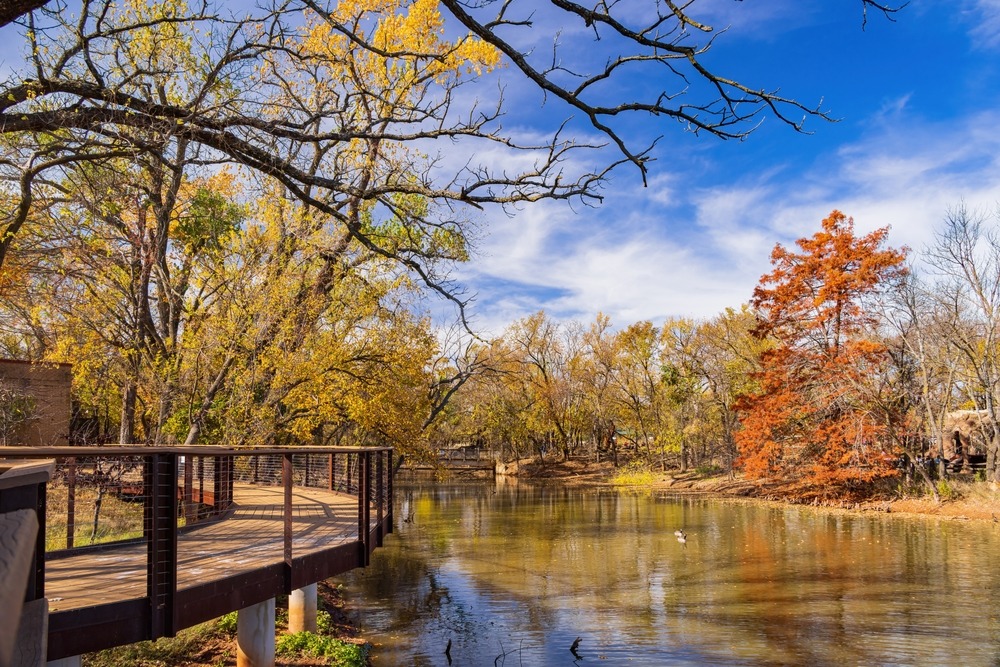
column 513, row 575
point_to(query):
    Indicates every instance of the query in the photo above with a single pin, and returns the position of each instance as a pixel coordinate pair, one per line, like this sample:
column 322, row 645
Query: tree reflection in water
column 520, row 572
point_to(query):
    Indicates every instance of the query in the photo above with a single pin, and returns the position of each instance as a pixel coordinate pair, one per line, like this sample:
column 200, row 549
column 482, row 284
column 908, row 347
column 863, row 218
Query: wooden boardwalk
column 249, row 537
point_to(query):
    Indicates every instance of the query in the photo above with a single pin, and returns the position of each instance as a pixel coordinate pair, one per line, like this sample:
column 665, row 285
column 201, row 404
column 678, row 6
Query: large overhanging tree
column 260, row 92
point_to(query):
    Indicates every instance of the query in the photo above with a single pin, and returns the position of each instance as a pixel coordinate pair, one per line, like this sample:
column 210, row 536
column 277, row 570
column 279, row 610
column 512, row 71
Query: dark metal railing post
column 286, row 480
column 363, row 514
column 36, row 588
column 160, row 528
column 389, row 491
column 188, row 503
column 331, row 473
column 366, row 473
column 201, row 485
column 230, row 479
column 70, row 501
column 347, row 475
column 379, row 496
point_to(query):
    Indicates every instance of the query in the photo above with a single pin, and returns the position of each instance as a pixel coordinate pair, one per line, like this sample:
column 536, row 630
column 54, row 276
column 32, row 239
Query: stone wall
column 48, row 385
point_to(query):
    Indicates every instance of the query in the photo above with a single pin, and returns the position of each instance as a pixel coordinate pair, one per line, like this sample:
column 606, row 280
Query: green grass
column 166, row 652
column 336, row 652
column 119, row 519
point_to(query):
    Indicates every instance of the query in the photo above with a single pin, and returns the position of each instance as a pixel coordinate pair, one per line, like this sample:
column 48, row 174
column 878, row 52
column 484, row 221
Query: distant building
column 45, row 390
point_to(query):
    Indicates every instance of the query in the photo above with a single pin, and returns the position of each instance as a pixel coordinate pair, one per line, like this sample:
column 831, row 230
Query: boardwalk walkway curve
column 142, row 542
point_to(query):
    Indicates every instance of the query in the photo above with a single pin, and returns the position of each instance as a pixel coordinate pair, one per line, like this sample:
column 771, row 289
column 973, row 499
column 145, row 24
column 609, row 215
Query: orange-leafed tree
column 815, row 417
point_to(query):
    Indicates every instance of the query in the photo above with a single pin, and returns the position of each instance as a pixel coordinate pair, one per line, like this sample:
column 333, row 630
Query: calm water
column 513, row 575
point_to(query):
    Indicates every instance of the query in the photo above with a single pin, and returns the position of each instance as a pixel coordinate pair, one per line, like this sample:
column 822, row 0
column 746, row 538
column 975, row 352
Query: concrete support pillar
column 255, row 635
column 302, row 609
column 73, row 661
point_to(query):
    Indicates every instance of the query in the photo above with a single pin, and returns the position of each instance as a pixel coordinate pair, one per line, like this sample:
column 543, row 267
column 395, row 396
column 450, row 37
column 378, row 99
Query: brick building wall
column 48, row 385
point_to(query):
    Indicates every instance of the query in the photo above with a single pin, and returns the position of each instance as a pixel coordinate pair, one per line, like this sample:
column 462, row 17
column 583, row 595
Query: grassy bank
column 213, row 644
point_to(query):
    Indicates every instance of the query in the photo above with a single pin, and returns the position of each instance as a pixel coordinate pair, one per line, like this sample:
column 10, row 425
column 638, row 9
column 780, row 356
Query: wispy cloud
column 984, row 19
column 707, row 247
column 904, row 175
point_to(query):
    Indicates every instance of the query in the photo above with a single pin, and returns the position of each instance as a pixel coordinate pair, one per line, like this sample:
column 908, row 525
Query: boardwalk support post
column 302, row 603
column 255, row 635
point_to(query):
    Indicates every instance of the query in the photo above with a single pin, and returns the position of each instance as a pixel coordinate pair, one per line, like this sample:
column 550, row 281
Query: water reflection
column 513, row 575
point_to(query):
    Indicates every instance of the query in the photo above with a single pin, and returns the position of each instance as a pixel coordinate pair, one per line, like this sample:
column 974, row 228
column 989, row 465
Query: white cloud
column 984, row 17
column 905, row 175
column 705, row 249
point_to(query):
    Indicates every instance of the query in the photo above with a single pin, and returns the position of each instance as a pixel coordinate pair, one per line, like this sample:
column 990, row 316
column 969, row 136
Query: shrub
column 946, row 490
column 227, row 623
column 324, row 623
column 337, row 652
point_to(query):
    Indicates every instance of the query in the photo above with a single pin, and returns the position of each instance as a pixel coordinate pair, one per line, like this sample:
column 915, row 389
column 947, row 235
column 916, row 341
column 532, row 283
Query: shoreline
column 969, row 501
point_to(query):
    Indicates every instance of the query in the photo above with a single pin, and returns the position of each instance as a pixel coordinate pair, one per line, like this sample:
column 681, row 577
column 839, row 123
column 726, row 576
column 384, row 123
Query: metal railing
column 142, row 542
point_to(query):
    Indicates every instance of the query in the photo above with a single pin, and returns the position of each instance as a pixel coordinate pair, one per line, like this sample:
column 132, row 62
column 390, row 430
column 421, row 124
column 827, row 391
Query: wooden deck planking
column 251, row 536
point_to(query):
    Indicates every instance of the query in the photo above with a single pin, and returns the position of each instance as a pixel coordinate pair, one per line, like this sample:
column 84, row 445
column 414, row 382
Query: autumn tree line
column 230, row 225
column 842, row 367
column 837, row 375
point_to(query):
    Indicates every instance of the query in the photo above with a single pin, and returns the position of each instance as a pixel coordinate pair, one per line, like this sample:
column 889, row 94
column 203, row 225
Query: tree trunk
column 194, row 431
column 992, row 474
column 922, row 471
column 126, row 431
column 97, row 513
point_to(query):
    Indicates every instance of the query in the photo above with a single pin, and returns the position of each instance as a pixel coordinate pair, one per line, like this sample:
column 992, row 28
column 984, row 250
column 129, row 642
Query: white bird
column 679, row 532
column 682, row 538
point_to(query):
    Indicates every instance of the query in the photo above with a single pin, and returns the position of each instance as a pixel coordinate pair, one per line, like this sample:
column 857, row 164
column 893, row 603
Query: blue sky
column 917, row 103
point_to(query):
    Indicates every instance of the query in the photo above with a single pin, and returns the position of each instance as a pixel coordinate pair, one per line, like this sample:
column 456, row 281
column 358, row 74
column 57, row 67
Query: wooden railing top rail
column 26, row 472
column 194, row 450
